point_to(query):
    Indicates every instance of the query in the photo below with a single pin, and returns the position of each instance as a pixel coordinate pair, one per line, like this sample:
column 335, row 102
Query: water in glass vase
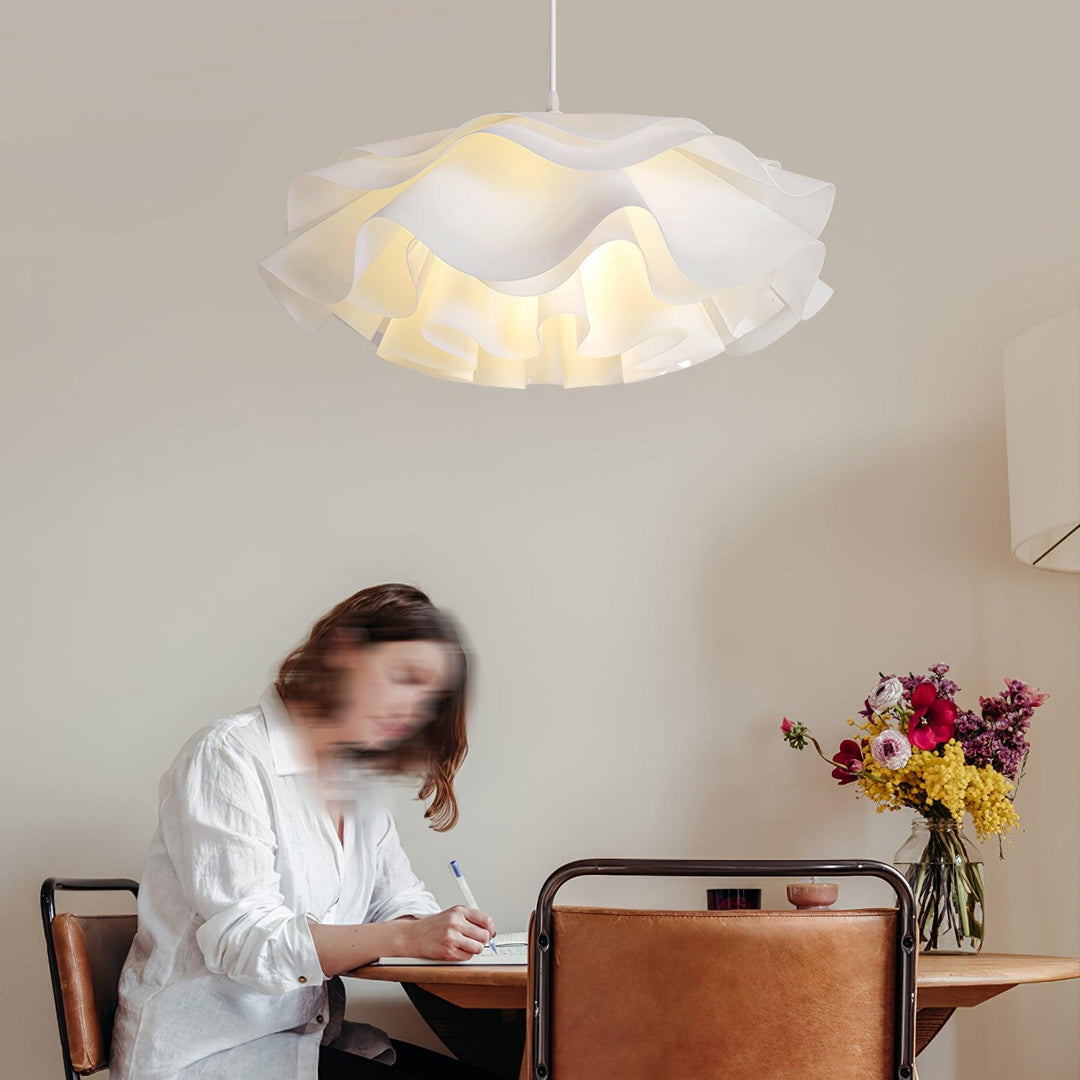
column 944, row 869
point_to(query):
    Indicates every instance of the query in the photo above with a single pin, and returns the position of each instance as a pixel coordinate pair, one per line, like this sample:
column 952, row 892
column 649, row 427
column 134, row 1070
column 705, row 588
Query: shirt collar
column 287, row 747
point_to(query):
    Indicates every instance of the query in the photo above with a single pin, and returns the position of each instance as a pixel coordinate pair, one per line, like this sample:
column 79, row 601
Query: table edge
column 1012, row 969
column 1008, row 972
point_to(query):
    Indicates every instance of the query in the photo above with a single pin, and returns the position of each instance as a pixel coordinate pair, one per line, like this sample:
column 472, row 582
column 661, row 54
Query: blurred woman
column 265, row 879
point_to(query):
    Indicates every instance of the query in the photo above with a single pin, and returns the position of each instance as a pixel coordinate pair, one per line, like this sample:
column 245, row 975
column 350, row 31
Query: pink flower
column 849, row 762
column 891, row 749
column 933, row 720
column 795, row 733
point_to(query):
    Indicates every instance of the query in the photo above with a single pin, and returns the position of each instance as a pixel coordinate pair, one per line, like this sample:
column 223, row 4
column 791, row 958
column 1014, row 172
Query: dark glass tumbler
column 734, row 899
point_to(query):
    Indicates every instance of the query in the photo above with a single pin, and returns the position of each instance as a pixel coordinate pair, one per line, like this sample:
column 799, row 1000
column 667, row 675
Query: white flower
column 887, row 694
column 891, row 749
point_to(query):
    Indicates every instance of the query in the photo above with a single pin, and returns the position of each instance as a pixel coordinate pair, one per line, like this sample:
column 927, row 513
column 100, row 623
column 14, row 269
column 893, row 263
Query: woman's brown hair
column 392, row 612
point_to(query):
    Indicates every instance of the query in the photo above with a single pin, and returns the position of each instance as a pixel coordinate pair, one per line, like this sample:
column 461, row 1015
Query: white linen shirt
column 223, row 979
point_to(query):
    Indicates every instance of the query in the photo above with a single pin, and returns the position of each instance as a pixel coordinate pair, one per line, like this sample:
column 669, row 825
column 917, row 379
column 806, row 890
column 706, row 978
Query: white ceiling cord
column 553, row 94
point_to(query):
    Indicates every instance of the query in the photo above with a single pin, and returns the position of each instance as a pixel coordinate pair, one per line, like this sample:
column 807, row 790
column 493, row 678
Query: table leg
column 928, row 1022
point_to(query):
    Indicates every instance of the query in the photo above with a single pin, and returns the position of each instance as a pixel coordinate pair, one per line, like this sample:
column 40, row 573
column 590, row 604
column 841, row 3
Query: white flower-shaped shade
column 572, row 249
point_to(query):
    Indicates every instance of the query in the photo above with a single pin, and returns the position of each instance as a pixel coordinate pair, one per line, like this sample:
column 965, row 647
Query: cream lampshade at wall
column 1042, row 421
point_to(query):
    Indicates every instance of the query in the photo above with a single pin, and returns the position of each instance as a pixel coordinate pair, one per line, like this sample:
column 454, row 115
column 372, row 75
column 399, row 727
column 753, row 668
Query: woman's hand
column 454, row 934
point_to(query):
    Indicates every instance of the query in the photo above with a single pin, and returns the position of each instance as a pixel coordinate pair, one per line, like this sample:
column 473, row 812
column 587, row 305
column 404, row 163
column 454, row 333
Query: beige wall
column 651, row 575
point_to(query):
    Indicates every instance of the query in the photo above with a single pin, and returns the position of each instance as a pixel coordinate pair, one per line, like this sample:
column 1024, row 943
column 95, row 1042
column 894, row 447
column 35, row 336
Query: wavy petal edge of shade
column 550, row 248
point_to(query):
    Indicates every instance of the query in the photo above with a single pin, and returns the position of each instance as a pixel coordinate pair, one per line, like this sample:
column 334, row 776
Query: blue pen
column 467, row 893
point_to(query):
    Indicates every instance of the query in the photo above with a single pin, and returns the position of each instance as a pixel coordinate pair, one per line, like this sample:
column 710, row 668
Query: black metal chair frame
column 904, row 1013
column 48, row 912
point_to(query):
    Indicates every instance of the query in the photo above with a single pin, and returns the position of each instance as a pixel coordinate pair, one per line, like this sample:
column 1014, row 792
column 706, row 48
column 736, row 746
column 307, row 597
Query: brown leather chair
column 86, row 953
column 730, row 995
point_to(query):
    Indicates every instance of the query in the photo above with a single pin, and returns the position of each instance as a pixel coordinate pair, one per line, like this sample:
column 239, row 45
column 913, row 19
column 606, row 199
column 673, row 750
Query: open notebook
column 513, row 949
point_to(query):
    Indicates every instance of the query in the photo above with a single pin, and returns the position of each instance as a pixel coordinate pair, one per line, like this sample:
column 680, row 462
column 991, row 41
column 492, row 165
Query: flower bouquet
column 917, row 748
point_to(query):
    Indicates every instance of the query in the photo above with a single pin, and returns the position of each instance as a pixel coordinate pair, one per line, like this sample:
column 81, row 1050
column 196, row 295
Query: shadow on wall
column 852, row 566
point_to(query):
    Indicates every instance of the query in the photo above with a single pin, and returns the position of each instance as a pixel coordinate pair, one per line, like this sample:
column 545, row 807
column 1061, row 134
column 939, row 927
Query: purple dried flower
column 909, row 682
column 944, row 688
column 947, row 689
column 997, row 737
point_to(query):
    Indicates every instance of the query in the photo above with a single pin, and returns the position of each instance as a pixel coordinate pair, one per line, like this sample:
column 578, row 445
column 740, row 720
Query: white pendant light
column 562, row 248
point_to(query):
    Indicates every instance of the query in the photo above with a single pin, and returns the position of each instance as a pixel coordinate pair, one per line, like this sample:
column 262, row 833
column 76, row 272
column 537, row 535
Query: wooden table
column 945, row 983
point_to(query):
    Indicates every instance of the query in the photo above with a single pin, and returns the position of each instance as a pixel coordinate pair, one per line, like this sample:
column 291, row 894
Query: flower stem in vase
column 945, row 873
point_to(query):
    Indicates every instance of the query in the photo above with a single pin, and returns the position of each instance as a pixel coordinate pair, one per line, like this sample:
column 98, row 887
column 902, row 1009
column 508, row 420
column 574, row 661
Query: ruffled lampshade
column 571, row 249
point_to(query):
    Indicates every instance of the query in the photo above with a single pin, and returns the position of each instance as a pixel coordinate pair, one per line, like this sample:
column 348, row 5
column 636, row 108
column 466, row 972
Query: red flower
column 786, row 726
column 934, row 719
column 849, row 761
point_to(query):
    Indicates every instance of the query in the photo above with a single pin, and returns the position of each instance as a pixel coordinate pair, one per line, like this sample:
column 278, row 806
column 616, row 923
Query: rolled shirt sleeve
column 397, row 890
column 216, row 828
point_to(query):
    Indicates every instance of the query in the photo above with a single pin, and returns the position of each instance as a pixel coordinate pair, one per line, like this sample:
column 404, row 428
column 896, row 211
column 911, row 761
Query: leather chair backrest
column 737, row 995
column 90, row 951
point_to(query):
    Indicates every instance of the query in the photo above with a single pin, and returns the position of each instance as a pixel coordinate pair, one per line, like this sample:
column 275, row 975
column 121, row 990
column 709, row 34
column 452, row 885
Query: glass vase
column 944, row 868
